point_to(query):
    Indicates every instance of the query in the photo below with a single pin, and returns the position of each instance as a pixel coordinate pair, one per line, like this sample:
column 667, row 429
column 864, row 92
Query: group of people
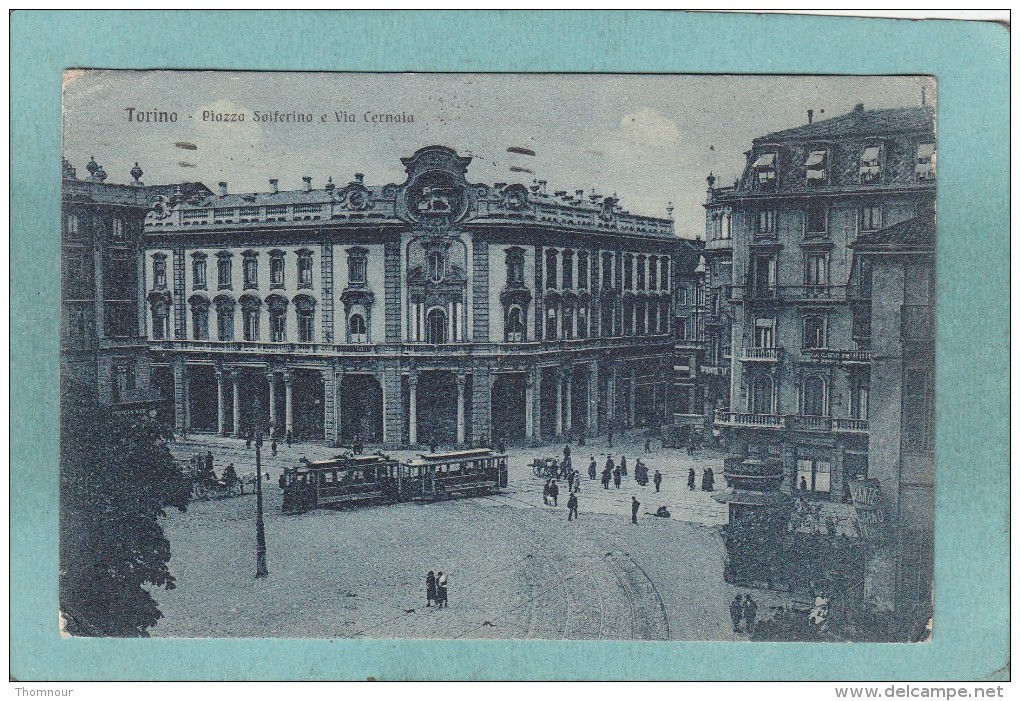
column 707, row 480
column 743, row 612
column 435, row 589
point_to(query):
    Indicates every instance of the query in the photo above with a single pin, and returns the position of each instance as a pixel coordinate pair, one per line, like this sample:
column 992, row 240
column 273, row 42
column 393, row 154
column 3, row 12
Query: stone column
column 611, row 409
column 461, row 380
column 632, row 397
column 235, row 377
column 593, row 399
column 221, row 408
column 412, row 409
column 338, row 380
column 180, row 394
column 288, row 399
column 271, row 378
column 559, row 401
column 536, row 410
column 568, row 410
column 187, row 399
column 529, row 405
column 328, row 404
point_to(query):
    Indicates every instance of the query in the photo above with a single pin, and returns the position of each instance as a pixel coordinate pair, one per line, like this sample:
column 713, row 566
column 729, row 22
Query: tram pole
column 261, row 568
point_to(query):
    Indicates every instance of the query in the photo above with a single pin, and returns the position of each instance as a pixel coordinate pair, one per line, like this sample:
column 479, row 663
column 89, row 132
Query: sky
column 650, row 139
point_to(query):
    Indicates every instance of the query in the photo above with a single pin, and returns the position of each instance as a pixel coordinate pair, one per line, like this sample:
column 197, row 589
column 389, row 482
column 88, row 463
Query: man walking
column 606, row 476
column 691, row 479
column 593, row 469
column 430, row 588
column 554, row 492
column 648, row 444
column 634, row 506
column 750, row 613
column 658, row 480
column 572, row 507
column 616, row 477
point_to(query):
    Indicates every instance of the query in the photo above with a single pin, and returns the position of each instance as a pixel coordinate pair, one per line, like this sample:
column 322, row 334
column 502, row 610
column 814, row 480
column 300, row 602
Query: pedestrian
column 572, row 507
column 692, row 479
column 267, row 477
column 209, row 461
column 273, row 447
column 580, row 438
column 247, row 441
column 566, row 452
column 658, row 480
column 606, row 476
column 282, row 481
column 442, row 594
column 711, row 479
column 634, row 506
column 545, row 492
column 430, row 588
column 736, row 611
column 610, row 433
column 648, row 444
column 570, row 481
column 803, row 484
column 623, row 465
column 750, row 612
column 616, row 477
column 593, row 468
column 554, row 492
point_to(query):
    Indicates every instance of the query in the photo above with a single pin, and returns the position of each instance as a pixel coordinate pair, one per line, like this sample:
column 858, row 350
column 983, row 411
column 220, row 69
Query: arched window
column 641, row 272
column 199, row 317
column 761, row 395
column 277, row 318
column 653, row 315
column 641, row 308
column 159, row 270
column 568, row 320
column 358, row 329
column 607, row 318
column 550, row 269
column 224, row 318
column 550, row 323
column 568, row 269
column 516, row 331
column 435, row 326
column 607, row 269
column 582, row 320
column 813, row 396
column 250, row 314
column 305, row 306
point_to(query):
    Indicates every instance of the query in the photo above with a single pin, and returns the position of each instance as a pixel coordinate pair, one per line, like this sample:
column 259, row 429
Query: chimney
column 329, row 185
column 308, row 183
column 579, row 194
column 223, row 188
column 859, row 107
column 810, row 116
column 274, row 185
column 359, row 178
column 542, row 185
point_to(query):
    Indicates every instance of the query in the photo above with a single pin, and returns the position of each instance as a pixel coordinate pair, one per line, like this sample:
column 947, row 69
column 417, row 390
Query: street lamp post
column 261, row 568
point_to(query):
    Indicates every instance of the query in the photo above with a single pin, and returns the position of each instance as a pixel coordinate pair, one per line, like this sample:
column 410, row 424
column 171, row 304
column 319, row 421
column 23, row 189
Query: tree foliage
column 117, row 478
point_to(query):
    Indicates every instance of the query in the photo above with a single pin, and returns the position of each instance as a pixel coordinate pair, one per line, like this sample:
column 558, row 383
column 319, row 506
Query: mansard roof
column 858, row 123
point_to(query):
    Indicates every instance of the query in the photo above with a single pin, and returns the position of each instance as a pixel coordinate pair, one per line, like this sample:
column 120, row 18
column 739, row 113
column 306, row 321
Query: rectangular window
column 223, row 273
column 276, row 271
column 251, row 325
column 813, row 475
column 198, row 273
column 582, row 271
column 118, row 230
column 871, row 165
column 71, row 225
column 225, row 324
column 871, row 218
column 765, row 171
column 628, row 272
column 641, row 272
column 724, row 226
column 817, row 220
column 814, row 332
column 925, row 168
column 304, row 266
column 568, row 270
column 767, row 221
column 817, row 173
column 816, row 270
column 764, row 333
column 278, row 327
column 159, row 272
column 357, row 273
column 764, row 277
column 251, row 273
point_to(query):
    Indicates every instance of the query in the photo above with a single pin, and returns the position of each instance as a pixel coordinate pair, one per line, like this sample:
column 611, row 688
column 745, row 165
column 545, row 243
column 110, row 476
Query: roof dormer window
column 765, row 171
column 871, row 165
column 817, row 167
column 925, row 167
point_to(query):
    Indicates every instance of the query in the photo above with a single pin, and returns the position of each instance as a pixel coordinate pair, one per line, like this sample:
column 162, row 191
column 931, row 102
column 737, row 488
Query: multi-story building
column 101, row 340
column 780, row 243
column 690, row 339
column 432, row 310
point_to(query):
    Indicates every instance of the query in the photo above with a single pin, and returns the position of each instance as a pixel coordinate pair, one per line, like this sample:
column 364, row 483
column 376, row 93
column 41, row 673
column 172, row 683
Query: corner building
column 432, row 310
column 802, row 353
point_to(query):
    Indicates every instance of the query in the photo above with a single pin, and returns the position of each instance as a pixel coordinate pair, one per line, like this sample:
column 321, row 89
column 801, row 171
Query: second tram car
column 349, row 480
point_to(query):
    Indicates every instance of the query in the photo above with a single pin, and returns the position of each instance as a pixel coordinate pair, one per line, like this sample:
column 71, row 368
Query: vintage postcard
column 500, row 356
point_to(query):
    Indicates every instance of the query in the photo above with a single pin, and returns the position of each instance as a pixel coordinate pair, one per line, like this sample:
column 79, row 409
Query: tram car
column 344, row 480
column 348, row 480
column 433, row 476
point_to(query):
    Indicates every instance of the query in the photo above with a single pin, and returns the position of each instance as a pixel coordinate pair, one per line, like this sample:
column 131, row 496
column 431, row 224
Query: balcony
column 847, row 425
column 796, row 422
column 838, row 357
column 761, row 355
column 801, row 294
column 730, row 418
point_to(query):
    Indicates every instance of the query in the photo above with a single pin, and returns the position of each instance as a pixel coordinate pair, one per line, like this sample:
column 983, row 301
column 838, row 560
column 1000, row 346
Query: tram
column 347, row 480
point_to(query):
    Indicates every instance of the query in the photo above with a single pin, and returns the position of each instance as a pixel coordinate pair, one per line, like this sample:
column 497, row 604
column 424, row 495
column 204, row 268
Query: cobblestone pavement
column 517, row 568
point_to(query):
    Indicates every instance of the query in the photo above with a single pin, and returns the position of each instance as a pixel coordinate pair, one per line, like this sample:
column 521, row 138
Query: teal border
column 971, row 63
